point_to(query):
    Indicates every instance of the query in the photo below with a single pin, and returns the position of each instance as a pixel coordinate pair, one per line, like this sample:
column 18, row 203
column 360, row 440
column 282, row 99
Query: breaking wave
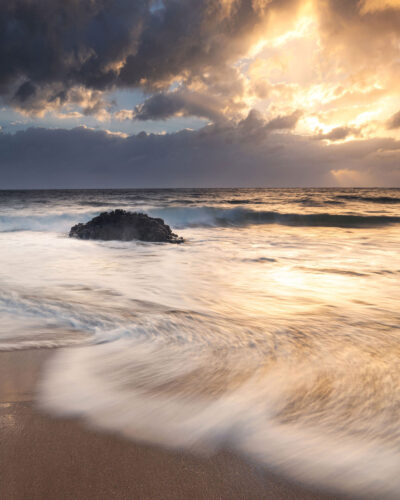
column 328, row 417
column 205, row 216
column 212, row 216
column 284, row 347
column 54, row 222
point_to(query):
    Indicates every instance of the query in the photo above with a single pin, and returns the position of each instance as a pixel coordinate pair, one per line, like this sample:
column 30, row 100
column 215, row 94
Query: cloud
column 394, row 121
column 335, row 60
column 124, row 114
column 359, row 33
column 287, row 122
column 67, row 43
column 348, row 177
column 193, row 37
column 338, row 134
column 49, row 47
column 368, row 6
column 161, row 106
column 246, row 154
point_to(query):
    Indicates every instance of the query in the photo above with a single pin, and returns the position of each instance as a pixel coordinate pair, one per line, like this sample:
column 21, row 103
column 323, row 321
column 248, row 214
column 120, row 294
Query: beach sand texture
column 46, row 458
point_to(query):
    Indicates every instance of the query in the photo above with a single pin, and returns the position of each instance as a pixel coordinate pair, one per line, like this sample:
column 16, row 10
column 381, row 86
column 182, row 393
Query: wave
column 370, row 199
column 22, row 345
column 318, row 400
column 100, row 203
column 219, row 217
column 35, row 320
column 58, row 222
column 259, row 260
column 201, row 216
column 313, row 202
column 243, row 202
column 313, row 418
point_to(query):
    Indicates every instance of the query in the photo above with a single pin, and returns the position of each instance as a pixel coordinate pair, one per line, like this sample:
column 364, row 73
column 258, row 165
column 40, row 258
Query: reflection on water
column 276, row 335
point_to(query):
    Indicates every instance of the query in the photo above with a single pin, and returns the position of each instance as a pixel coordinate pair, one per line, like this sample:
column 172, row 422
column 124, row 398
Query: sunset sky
column 175, row 93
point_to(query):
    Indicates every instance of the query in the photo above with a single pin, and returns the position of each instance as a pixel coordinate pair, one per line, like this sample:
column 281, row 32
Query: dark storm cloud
column 61, row 43
column 217, row 155
column 161, row 106
column 394, row 121
column 49, row 46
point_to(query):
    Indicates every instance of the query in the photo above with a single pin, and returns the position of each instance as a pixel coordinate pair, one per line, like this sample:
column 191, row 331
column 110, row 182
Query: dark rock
column 125, row 226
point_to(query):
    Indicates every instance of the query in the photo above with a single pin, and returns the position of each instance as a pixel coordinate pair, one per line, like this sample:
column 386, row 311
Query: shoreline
column 46, row 457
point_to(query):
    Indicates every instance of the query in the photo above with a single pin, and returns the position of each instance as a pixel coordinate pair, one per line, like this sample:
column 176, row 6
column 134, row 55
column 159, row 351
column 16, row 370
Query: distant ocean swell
column 211, row 216
column 202, row 216
column 369, row 199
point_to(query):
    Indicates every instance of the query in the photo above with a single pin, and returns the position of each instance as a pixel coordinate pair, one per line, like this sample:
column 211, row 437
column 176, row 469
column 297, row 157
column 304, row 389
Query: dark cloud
column 394, row 121
column 187, row 56
column 217, row 155
column 54, row 51
column 47, row 47
column 25, row 91
column 65, row 43
column 161, row 106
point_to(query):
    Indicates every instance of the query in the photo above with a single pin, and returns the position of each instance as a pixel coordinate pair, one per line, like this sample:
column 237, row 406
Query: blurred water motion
column 274, row 330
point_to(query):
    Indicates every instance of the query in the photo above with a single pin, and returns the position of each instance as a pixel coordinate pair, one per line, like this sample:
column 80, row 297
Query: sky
column 199, row 93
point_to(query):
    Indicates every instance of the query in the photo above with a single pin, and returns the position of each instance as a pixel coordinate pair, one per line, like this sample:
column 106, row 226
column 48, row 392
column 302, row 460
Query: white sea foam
column 201, row 216
column 57, row 222
column 280, row 340
column 314, row 420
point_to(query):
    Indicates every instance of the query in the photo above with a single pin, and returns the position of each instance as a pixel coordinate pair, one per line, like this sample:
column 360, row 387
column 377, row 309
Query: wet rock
column 125, row 226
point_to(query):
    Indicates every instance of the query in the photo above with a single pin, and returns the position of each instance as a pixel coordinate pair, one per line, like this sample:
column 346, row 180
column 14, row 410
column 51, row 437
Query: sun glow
column 305, row 27
column 294, row 68
column 368, row 6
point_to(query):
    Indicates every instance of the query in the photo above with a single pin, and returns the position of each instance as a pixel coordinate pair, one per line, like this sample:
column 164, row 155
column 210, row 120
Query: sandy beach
column 42, row 457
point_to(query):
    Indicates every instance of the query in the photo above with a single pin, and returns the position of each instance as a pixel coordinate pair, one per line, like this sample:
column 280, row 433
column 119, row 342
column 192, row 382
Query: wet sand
column 42, row 457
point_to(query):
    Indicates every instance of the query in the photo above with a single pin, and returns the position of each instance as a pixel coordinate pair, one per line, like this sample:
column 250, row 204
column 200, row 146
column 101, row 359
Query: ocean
column 273, row 331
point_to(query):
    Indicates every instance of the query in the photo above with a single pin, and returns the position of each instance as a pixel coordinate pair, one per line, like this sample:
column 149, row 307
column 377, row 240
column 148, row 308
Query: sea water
column 272, row 331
